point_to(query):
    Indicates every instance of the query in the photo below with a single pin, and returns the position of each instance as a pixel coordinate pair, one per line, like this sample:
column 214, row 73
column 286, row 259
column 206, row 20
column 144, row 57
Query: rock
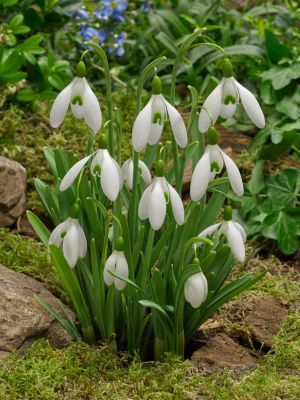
column 12, row 191
column 22, row 318
column 263, row 319
column 223, row 352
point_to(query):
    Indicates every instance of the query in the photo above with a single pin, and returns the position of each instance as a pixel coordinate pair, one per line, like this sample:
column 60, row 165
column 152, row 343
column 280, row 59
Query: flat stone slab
column 223, row 352
column 12, row 191
column 263, row 319
column 22, row 318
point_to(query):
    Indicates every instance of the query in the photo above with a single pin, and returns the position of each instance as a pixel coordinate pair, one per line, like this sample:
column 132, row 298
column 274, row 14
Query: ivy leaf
column 275, row 50
column 283, row 228
column 282, row 76
column 283, row 188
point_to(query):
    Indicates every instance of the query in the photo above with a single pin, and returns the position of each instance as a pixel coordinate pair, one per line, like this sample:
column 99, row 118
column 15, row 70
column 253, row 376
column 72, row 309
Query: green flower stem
column 101, row 53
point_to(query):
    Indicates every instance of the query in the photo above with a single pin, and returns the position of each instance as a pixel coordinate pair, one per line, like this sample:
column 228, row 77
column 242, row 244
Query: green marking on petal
column 157, row 118
column 97, row 170
column 229, row 100
column 77, row 100
column 214, row 166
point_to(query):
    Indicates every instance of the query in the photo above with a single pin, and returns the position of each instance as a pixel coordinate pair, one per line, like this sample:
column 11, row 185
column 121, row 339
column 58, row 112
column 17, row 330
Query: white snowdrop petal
column 122, row 270
column 82, row 242
column 215, row 157
column 72, row 174
column 227, row 110
column 235, row 241
column 91, row 108
column 141, row 127
column 145, row 173
column 155, row 133
column 144, row 203
column 241, row 230
column 213, row 105
column 177, row 206
column 77, row 111
column 194, row 291
column 71, row 245
column 110, row 265
column 129, row 175
column 124, row 170
column 157, row 206
column 205, row 286
column 55, row 237
column 96, row 163
column 251, row 106
column 200, row 177
column 177, row 125
column 110, row 177
column 60, row 106
column 208, row 231
column 234, row 175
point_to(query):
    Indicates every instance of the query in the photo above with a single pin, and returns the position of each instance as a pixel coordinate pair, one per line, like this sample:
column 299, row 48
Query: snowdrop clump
column 153, row 261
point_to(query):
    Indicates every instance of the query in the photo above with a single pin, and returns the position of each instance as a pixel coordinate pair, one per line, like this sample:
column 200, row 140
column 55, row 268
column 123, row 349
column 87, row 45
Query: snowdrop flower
column 102, row 165
column 81, row 98
column 154, row 199
column 127, row 172
column 149, row 124
column 210, row 164
column 117, row 264
column 224, row 99
column 71, row 236
column 196, row 289
column 234, row 232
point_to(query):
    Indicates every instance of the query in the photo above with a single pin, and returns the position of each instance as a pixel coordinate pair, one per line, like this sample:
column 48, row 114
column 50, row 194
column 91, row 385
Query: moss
column 30, row 257
column 83, row 372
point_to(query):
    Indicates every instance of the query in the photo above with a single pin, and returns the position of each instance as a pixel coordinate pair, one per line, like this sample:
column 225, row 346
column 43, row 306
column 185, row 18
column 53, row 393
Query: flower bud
column 160, row 168
column 213, row 136
column 103, row 143
column 74, row 211
column 228, row 213
column 119, row 245
column 81, row 69
column 156, row 85
column 227, row 69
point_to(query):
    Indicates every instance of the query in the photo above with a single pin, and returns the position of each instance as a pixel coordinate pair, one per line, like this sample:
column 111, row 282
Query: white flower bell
column 234, row 232
column 224, row 98
column 117, row 264
column 71, row 236
column 81, row 98
column 210, row 164
column 104, row 166
column 196, row 289
column 153, row 201
column 149, row 124
column 127, row 172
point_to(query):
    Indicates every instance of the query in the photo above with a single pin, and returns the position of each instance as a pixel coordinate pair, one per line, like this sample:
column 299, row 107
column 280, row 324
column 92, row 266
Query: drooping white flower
column 127, row 172
column 234, row 232
column 153, row 203
column 224, row 99
column 117, row 264
column 212, row 163
column 149, row 124
column 104, row 166
column 71, row 236
column 83, row 102
column 196, row 289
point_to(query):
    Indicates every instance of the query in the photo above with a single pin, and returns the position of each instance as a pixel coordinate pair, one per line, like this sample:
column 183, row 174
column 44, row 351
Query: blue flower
column 91, row 34
column 112, row 9
column 81, row 14
column 119, row 49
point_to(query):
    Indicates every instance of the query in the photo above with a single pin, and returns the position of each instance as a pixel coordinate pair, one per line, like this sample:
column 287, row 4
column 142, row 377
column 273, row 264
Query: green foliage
column 271, row 207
